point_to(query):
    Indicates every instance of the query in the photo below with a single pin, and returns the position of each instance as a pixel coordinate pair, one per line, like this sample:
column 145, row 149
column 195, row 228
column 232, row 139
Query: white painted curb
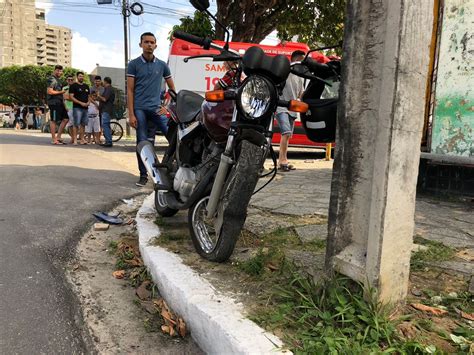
column 216, row 321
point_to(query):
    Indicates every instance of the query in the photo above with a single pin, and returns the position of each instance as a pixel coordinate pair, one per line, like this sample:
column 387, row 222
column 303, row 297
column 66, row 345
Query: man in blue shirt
column 144, row 77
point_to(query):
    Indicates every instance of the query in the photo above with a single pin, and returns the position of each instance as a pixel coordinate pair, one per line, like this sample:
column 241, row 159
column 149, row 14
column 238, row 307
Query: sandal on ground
column 60, row 141
column 286, row 167
column 56, row 143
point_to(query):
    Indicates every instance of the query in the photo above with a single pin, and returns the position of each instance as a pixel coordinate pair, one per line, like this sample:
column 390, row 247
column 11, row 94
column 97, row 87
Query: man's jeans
column 106, row 127
column 147, row 122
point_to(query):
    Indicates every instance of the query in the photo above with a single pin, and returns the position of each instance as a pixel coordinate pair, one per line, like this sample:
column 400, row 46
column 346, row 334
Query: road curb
column 216, row 321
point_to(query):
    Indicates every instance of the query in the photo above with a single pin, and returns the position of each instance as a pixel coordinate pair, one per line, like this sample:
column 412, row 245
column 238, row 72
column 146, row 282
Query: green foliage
column 313, row 21
column 332, row 318
column 27, row 84
column 320, row 23
column 200, row 25
column 257, row 265
column 113, row 246
column 436, row 252
column 119, row 104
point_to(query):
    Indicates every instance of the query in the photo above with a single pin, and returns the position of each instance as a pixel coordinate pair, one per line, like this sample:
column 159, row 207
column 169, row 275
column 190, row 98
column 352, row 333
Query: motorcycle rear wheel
column 161, row 206
column 232, row 207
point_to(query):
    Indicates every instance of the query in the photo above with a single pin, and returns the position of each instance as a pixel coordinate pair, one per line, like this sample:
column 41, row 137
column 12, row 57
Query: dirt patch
column 117, row 319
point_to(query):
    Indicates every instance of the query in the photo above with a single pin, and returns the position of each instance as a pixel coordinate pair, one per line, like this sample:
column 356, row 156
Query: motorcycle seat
column 188, row 105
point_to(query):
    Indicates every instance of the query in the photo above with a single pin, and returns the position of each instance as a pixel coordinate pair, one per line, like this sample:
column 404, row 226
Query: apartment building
column 26, row 38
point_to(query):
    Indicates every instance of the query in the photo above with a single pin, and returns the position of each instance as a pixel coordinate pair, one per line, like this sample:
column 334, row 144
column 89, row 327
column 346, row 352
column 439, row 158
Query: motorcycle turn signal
column 219, row 95
column 298, row 106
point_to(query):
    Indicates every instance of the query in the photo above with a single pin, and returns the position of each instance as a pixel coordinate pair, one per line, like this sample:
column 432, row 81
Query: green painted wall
column 453, row 118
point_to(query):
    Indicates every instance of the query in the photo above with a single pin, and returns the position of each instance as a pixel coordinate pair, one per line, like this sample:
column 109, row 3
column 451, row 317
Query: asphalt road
column 47, row 195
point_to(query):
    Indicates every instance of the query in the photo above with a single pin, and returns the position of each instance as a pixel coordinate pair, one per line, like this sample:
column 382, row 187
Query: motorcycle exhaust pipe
column 146, row 151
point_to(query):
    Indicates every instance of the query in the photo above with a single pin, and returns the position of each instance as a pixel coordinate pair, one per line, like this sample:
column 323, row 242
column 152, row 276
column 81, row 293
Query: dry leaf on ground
column 142, row 291
column 272, row 267
column 136, row 261
column 425, row 308
column 181, row 327
column 149, row 307
column 173, row 325
column 119, row 274
column 468, row 316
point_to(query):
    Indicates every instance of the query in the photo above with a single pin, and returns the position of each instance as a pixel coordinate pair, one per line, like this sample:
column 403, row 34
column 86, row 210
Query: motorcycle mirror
column 298, row 68
column 203, row 5
column 200, row 5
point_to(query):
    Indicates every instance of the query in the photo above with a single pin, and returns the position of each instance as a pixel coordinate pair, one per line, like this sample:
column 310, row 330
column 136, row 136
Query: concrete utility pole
column 380, row 121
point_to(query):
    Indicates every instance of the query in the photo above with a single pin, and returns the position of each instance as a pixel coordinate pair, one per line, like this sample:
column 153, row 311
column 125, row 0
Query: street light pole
column 125, row 15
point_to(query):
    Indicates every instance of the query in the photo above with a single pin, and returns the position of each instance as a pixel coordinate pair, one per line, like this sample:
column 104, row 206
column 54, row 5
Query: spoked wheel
column 117, row 131
column 215, row 238
column 161, row 206
column 204, row 234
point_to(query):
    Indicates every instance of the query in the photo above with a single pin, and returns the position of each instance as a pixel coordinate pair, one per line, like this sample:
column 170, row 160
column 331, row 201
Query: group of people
column 146, row 77
column 19, row 117
column 85, row 112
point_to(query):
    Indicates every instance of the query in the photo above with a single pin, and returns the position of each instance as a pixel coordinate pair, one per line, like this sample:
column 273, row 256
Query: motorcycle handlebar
column 203, row 42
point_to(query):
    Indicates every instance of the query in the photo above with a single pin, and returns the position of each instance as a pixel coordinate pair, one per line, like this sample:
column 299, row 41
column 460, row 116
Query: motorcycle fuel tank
column 216, row 117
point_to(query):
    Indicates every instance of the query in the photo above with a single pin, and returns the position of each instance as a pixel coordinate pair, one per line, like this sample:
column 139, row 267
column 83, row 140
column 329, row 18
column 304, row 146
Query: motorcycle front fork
column 225, row 164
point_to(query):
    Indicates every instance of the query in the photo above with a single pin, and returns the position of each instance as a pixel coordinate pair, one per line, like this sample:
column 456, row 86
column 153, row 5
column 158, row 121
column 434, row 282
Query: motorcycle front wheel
column 232, row 208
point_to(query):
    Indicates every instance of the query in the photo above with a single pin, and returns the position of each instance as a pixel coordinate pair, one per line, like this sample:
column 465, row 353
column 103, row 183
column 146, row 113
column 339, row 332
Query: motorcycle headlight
column 257, row 97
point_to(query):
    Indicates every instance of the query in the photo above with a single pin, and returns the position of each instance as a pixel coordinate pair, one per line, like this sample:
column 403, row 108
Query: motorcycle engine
column 184, row 182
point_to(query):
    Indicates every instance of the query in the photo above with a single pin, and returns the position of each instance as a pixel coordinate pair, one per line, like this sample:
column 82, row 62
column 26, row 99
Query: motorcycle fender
column 253, row 136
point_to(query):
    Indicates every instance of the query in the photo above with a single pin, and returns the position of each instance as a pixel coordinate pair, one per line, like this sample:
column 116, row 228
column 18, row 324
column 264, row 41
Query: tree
column 321, row 24
column 27, row 84
column 200, row 25
column 119, row 104
column 313, row 21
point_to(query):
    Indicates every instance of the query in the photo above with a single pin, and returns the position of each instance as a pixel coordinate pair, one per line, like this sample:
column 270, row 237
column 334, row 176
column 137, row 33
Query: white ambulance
column 201, row 74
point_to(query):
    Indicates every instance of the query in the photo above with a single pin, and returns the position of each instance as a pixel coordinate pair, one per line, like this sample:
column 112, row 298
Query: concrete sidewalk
column 216, row 321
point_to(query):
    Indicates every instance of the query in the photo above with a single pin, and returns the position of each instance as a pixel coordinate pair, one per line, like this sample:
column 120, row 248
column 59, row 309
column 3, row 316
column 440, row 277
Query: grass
column 333, row 317
column 161, row 222
column 113, row 245
column 283, row 238
column 265, row 260
column 435, row 252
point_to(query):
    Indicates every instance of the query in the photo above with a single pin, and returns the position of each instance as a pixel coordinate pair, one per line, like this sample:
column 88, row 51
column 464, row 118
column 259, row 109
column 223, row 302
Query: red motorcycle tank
column 216, row 117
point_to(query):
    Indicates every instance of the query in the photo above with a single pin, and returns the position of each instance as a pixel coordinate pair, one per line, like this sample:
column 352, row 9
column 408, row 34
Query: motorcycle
column 217, row 145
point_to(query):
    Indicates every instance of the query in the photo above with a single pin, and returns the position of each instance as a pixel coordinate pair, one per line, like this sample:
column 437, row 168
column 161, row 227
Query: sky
column 97, row 30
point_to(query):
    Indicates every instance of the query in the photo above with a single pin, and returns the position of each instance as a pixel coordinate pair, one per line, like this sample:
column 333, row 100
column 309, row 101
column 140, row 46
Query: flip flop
column 286, row 167
column 106, row 218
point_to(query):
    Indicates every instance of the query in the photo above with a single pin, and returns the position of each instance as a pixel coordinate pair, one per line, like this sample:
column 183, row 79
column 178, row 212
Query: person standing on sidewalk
column 106, row 99
column 144, row 76
column 68, row 103
column 286, row 120
column 55, row 101
column 79, row 94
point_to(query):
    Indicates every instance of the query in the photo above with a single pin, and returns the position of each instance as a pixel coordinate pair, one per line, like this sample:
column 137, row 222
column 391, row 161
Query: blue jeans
column 106, row 127
column 80, row 117
column 286, row 122
column 147, row 122
column 161, row 122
